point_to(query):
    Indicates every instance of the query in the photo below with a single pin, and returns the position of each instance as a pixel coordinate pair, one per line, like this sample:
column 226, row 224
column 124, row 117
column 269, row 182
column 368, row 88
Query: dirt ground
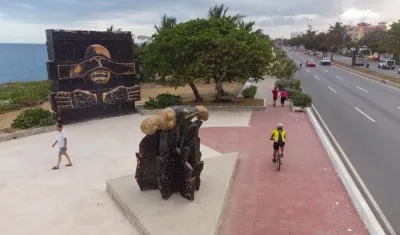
column 207, row 91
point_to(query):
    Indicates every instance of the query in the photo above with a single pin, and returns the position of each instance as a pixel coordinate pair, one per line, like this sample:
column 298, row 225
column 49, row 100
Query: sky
column 25, row 21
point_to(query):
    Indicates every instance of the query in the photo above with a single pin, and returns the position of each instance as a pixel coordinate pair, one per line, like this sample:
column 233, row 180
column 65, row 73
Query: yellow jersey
column 275, row 134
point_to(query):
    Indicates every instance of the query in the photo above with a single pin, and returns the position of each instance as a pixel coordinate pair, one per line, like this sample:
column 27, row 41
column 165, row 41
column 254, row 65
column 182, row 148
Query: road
column 373, row 65
column 364, row 116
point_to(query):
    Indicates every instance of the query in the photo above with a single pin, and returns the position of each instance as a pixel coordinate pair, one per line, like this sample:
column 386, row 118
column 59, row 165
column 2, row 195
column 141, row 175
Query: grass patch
column 370, row 72
column 17, row 95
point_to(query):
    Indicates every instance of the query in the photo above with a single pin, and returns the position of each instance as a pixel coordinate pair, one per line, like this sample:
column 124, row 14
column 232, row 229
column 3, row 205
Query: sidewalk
column 305, row 197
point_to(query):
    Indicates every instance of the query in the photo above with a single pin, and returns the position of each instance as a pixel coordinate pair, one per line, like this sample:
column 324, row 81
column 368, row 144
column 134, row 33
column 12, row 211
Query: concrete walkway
column 73, row 200
column 305, row 197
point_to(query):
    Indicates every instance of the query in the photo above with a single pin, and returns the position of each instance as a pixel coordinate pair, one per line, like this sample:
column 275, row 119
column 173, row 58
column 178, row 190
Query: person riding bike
column 279, row 137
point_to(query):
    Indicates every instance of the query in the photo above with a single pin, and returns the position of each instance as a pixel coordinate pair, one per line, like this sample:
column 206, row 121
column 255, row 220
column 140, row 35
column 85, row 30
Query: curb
column 26, row 133
column 147, row 112
column 370, row 213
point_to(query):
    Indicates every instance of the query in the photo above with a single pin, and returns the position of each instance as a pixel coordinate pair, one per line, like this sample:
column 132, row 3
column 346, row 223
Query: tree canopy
column 215, row 50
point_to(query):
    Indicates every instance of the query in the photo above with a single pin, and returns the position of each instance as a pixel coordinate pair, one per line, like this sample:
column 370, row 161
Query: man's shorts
column 277, row 145
column 62, row 151
column 275, row 97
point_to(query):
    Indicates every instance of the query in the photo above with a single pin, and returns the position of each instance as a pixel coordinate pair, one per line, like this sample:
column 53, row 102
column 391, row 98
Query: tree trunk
column 196, row 92
column 353, row 58
column 220, row 90
column 332, row 55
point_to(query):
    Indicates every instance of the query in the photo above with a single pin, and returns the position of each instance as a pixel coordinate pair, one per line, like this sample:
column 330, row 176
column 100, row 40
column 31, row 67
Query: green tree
column 212, row 49
column 391, row 42
column 308, row 39
column 113, row 29
column 370, row 38
column 336, row 37
column 220, row 12
column 166, row 23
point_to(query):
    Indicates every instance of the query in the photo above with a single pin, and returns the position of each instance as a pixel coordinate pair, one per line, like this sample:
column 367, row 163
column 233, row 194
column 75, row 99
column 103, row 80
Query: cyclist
column 279, row 137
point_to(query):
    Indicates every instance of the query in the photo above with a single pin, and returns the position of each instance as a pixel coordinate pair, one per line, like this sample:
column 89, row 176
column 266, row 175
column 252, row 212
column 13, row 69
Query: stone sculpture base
column 177, row 216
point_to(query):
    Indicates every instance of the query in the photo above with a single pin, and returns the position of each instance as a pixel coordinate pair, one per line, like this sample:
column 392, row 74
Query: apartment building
column 295, row 34
column 358, row 31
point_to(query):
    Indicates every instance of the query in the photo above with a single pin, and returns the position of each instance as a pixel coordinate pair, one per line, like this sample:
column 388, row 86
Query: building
column 296, row 34
column 357, row 32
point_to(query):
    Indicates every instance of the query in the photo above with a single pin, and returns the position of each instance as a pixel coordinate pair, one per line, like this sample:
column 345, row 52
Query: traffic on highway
column 364, row 117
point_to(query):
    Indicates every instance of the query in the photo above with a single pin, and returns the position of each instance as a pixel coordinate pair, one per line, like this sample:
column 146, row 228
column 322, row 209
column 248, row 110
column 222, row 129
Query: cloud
column 275, row 17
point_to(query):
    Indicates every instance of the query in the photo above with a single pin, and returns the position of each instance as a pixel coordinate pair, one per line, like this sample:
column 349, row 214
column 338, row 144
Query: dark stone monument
column 92, row 73
column 169, row 157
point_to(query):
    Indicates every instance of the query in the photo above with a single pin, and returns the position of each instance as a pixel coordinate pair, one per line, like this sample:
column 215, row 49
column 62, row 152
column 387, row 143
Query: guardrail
column 388, row 229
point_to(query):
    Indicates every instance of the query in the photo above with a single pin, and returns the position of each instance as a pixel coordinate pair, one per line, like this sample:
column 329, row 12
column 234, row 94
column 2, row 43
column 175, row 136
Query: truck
column 387, row 64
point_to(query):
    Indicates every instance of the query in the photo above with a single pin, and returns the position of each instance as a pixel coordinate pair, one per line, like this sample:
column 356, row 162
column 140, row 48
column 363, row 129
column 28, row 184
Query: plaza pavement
column 73, row 200
column 306, row 197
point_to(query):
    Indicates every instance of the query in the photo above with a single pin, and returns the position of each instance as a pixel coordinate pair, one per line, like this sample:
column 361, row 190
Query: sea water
column 22, row 62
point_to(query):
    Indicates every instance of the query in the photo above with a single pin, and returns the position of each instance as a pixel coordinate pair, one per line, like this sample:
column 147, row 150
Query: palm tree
column 166, row 23
column 220, row 12
column 113, row 29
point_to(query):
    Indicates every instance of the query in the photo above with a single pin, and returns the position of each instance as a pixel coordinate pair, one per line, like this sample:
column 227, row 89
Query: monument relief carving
column 93, row 74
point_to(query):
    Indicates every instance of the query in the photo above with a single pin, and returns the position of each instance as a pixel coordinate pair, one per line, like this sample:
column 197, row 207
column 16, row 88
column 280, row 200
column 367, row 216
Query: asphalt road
column 373, row 65
column 364, row 116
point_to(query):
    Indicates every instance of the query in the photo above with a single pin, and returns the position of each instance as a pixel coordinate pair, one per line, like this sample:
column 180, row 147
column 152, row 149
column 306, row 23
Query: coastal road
column 364, row 117
column 373, row 65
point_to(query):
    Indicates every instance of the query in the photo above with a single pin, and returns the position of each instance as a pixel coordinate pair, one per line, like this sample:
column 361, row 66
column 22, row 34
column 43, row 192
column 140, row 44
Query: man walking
column 62, row 145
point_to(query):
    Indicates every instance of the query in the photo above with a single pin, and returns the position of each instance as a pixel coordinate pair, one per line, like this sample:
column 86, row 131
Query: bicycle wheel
column 278, row 162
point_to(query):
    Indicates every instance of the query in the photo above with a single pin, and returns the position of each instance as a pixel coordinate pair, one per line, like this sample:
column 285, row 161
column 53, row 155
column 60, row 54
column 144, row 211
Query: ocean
column 22, row 62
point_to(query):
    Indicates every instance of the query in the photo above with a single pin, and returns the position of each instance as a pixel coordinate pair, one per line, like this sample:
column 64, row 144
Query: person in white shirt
column 62, row 144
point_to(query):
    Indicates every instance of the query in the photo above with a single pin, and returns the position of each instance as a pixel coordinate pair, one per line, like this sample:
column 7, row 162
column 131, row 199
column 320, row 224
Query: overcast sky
column 24, row 21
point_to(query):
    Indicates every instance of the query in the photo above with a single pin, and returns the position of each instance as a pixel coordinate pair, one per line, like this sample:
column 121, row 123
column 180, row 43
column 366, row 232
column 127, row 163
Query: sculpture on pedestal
column 169, row 157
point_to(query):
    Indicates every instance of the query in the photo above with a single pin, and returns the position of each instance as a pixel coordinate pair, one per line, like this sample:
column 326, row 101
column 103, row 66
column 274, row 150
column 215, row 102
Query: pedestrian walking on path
column 275, row 95
column 283, row 97
column 62, row 145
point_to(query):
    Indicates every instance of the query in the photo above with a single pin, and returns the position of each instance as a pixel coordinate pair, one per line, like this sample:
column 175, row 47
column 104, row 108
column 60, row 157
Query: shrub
column 35, row 117
column 249, row 92
column 162, row 101
column 288, row 83
column 291, row 93
column 301, row 99
column 296, row 84
column 282, row 83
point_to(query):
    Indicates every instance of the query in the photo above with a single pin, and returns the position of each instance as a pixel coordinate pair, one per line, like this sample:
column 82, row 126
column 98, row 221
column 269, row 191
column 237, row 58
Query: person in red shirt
column 274, row 95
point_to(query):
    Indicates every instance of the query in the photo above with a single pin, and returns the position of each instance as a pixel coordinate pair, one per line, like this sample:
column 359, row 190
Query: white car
column 387, row 64
column 398, row 71
column 325, row 61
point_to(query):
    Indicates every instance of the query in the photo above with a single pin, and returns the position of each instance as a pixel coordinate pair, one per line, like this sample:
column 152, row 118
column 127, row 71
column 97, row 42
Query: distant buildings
column 357, row 32
column 296, row 34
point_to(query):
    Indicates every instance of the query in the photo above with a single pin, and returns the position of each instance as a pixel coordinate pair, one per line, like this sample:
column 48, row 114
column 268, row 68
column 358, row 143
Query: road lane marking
column 398, row 107
column 339, row 77
column 332, row 89
column 362, row 89
column 325, row 70
column 308, row 70
column 317, row 77
column 372, row 120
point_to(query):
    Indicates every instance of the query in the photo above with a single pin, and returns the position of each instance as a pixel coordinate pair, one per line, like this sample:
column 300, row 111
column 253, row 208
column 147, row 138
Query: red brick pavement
column 305, row 197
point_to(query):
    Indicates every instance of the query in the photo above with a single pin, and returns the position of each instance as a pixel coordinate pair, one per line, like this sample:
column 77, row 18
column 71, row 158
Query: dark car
column 310, row 63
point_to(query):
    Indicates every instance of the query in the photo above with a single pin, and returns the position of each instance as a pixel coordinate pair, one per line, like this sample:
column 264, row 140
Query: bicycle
column 278, row 160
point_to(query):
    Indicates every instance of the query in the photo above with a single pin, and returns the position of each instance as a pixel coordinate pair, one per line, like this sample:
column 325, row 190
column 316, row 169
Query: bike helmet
column 279, row 126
